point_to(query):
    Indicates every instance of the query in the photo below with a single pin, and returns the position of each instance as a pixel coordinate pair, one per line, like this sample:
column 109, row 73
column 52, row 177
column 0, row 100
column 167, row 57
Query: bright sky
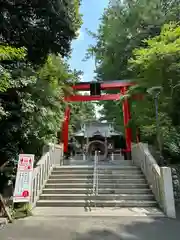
column 92, row 11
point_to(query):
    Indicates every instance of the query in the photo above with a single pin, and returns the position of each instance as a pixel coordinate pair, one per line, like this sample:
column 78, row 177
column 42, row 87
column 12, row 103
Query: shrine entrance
column 96, row 94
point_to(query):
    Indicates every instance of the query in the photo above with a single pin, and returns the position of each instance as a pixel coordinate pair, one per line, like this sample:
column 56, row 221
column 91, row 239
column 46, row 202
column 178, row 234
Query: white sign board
column 22, row 192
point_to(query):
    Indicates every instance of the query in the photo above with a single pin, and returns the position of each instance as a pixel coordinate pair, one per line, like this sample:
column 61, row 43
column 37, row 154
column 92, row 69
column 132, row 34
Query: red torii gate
column 121, row 85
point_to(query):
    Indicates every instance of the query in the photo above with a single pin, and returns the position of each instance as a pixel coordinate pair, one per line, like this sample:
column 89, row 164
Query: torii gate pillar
column 65, row 129
column 127, row 118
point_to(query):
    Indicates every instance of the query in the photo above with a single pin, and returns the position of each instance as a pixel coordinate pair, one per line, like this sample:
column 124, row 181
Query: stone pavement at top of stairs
column 92, row 228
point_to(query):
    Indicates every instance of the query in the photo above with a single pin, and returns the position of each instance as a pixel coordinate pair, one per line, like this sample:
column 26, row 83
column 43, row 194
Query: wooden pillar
column 65, row 129
column 127, row 117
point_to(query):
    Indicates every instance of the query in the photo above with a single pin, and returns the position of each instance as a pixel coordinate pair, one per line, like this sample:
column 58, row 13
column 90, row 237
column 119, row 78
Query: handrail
column 150, row 168
column 94, row 173
column 52, row 157
column 95, row 176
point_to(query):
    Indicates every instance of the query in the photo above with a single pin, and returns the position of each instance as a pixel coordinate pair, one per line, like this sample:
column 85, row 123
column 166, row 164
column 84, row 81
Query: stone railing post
column 167, row 192
column 52, row 156
column 159, row 178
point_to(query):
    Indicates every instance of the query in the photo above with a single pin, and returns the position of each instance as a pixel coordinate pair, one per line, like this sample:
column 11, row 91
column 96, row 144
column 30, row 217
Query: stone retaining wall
column 176, row 182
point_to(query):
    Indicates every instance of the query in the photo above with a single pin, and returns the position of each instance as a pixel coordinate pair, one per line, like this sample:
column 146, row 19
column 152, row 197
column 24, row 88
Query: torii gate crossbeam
column 120, row 85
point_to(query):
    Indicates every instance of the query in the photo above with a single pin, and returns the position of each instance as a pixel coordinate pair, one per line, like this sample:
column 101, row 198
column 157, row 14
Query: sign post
column 23, row 185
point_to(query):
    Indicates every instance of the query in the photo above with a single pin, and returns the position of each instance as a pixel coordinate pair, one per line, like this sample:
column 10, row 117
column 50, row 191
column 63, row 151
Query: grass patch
column 21, row 210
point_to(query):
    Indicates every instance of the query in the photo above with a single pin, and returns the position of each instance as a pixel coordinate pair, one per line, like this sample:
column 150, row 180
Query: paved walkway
column 92, row 228
column 96, row 212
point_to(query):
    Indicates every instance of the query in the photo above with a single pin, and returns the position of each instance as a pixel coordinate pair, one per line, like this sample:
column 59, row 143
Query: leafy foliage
column 158, row 64
column 26, row 95
column 140, row 40
column 32, row 107
column 34, row 76
column 8, row 54
column 160, row 59
column 81, row 111
column 40, row 26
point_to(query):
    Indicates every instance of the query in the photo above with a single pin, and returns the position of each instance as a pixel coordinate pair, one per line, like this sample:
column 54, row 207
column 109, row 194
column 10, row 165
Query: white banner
column 22, row 191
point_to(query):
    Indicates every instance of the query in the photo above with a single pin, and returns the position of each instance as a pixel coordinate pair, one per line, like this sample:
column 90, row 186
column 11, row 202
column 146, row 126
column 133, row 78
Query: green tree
column 158, row 65
column 29, row 105
column 123, row 28
column 32, row 107
column 81, row 111
column 42, row 27
column 126, row 26
column 34, row 76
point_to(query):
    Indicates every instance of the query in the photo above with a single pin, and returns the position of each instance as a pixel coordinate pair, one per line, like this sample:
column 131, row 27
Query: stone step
column 101, row 191
column 91, row 167
column 99, row 203
column 98, row 197
column 101, row 181
column 90, row 172
column 117, row 161
column 100, row 176
column 90, row 186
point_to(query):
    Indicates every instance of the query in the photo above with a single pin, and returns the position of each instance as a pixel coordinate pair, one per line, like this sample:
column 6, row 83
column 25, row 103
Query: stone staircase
column 119, row 185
